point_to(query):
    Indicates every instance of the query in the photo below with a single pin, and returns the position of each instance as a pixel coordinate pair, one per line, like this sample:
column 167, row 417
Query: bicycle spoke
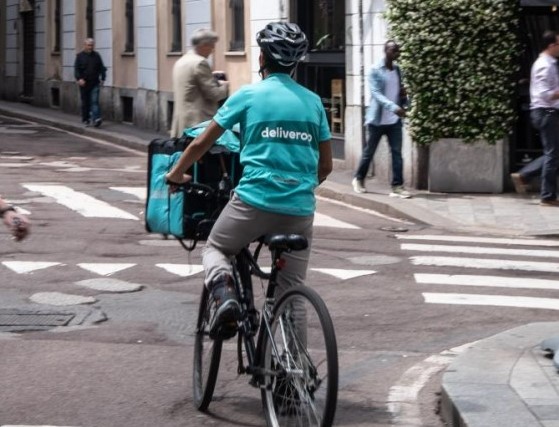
column 301, row 348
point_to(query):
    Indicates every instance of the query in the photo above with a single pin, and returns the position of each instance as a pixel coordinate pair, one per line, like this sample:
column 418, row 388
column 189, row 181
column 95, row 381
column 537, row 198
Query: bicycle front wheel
column 207, row 355
column 300, row 362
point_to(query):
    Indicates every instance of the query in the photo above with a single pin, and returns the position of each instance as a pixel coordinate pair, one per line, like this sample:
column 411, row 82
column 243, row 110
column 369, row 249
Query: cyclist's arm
column 324, row 160
column 193, row 152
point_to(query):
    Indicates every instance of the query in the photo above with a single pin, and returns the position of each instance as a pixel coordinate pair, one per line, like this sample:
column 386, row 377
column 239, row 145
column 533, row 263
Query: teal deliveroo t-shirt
column 281, row 124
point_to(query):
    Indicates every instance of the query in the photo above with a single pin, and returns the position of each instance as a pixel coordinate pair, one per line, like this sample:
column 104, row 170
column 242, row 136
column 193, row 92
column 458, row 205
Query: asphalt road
column 124, row 358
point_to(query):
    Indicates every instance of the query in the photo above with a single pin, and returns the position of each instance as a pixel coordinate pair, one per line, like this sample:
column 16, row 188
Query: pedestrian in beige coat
column 196, row 90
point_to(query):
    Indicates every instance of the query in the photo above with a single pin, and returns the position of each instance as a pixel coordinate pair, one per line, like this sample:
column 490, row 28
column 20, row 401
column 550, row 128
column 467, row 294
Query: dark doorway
column 323, row 70
column 534, row 21
column 28, row 23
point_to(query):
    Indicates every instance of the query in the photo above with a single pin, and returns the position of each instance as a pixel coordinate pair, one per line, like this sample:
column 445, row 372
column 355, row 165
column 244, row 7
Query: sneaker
column 399, row 191
column 358, row 186
column 97, row 122
column 86, row 123
column 223, row 324
column 520, row 184
column 547, row 202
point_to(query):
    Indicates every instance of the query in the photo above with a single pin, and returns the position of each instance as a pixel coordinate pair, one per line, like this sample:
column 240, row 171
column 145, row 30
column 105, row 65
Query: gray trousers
column 240, row 224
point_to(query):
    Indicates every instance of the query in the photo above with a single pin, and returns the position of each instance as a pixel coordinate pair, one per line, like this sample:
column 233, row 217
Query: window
column 326, row 20
column 89, row 18
column 129, row 46
column 176, row 37
column 57, row 26
column 237, row 25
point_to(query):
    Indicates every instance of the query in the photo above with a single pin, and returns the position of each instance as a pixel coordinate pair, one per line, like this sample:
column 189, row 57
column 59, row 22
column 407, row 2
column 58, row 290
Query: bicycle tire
column 300, row 381
column 207, row 356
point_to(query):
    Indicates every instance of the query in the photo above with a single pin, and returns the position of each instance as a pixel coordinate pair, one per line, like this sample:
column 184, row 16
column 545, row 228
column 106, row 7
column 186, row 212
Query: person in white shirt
column 544, row 114
column 384, row 117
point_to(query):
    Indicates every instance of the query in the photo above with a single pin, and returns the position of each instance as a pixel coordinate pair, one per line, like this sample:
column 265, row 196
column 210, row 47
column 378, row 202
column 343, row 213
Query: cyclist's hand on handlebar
column 175, row 180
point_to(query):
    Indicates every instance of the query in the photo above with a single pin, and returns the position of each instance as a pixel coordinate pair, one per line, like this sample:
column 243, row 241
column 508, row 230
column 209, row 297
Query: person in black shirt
column 89, row 71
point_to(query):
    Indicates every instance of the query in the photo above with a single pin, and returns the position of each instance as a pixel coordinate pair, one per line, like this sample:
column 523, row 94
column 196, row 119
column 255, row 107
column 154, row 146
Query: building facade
column 140, row 40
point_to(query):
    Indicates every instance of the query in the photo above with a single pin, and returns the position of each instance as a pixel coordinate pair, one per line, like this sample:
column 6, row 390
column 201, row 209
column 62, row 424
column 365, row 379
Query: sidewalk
column 502, row 380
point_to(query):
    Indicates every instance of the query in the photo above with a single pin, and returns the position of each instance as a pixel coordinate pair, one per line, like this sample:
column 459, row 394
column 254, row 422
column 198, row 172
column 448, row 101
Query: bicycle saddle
column 293, row 242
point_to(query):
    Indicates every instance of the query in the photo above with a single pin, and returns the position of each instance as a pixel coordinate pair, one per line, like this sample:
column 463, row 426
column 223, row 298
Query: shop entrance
column 534, row 21
column 323, row 71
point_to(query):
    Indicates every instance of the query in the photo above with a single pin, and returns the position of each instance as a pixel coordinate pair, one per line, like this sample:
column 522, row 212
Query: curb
column 499, row 381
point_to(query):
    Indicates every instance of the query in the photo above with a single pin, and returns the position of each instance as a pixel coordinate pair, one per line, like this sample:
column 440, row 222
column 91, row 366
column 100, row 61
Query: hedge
column 459, row 60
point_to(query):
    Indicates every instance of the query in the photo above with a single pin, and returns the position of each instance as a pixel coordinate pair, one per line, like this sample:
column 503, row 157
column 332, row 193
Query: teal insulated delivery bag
column 190, row 212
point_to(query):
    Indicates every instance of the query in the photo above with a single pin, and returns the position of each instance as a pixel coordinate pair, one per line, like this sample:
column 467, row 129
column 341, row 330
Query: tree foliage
column 459, row 59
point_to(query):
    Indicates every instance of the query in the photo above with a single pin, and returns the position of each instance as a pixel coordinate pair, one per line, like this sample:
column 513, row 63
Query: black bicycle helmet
column 283, row 42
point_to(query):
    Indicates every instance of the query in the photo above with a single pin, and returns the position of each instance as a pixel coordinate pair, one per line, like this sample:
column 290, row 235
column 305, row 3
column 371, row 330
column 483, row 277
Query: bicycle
column 289, row 349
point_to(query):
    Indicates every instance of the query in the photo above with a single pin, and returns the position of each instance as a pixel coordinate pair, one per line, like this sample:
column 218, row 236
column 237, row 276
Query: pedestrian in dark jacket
column 89, row 71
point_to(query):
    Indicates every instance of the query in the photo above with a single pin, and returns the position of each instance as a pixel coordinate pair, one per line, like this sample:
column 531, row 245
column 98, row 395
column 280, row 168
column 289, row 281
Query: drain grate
column 36, row 319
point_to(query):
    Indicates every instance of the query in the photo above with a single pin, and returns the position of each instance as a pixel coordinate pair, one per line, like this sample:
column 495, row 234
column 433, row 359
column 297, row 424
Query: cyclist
column 285, row 153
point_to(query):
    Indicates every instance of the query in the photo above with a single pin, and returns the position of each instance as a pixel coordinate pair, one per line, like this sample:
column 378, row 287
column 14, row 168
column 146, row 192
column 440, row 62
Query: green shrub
column 459, row 59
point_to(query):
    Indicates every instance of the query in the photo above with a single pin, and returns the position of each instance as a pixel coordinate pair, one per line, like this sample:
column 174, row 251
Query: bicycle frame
column 244, row 266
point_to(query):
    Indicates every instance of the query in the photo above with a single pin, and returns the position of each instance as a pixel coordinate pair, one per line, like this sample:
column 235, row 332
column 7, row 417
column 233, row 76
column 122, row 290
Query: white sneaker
column 400, row 192
column 358, row 186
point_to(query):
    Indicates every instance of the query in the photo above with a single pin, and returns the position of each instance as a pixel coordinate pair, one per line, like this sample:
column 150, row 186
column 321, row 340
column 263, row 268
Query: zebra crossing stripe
column 480, row 250
column 80, row 202
column 493, row 281
column 499, row 264
column 321, row 220
column 491, row 300
column 490, row 240
column 344, row 274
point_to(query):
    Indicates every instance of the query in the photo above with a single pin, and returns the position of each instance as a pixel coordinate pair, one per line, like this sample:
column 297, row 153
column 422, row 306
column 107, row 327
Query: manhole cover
column 35, row 319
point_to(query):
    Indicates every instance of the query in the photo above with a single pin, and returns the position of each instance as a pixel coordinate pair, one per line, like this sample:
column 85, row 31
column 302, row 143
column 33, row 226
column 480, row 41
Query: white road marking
column 491, row 300
column 14, row 165
column 344, row 274
column 183, row 270
column 24, row 267
column 500, row 264
column 367, row 211
column 491, row 240
column 104, row 269
column 139, row 192
column 82, row 203
column 402, row 398
column 493, row 281
column 321, row 220
column 480, row 250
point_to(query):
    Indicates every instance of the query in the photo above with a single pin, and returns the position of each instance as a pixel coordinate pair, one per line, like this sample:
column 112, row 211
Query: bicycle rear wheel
column 207, row 355
column 300, row 361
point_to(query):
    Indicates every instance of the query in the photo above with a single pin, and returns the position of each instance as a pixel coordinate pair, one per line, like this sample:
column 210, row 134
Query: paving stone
column 110, row 285
column 58, row 298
